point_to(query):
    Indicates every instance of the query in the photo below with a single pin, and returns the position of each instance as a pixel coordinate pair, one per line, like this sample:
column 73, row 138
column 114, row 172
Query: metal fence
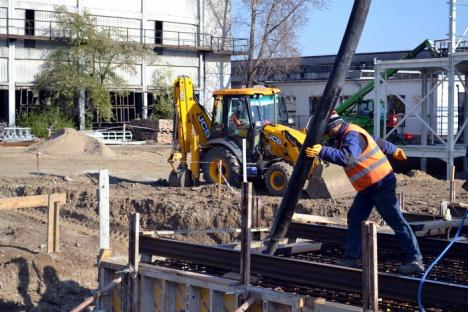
column 52, row 30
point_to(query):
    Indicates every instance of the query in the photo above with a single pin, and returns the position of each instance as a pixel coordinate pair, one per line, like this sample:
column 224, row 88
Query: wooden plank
column 204, row 300
column 193, row 299
column 116, row 297
column 231, row 302
column 305, row 218
column 35, row 201
column 50, row 224
column 181, row 297
column 370, row 295
column 104, row 209
column 158, row 294
column 216, row 301
column 147, row 294
column 185, row 277
column 169, row 296
column 56, row 233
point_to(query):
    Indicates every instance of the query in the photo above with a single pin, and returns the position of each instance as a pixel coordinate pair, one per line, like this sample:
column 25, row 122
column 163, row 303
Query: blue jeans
column 383, row 197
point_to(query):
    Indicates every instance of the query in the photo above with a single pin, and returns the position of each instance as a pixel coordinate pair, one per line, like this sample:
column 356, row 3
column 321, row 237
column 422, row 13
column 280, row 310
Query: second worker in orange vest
column 364, row 159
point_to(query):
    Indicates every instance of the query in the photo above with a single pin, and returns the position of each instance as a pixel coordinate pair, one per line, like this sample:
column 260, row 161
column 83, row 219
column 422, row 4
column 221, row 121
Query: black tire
column 231, row 167
column 181, row 177
column 277, row 178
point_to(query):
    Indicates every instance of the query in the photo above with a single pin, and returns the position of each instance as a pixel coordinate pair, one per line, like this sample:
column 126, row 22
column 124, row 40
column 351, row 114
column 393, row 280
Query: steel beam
column 310, row 274
column 428, row 246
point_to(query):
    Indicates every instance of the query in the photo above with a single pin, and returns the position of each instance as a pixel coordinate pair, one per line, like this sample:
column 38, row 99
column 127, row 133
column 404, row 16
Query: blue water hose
column 423, row 279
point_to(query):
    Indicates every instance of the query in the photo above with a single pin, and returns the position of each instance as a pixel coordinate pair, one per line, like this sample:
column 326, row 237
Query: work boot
column 350, row 263
column 413, row 267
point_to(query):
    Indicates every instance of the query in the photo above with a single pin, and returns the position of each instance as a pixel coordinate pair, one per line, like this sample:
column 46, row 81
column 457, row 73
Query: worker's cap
column 334, row 121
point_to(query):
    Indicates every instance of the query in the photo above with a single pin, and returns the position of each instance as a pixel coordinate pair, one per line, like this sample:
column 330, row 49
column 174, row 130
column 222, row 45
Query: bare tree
column 273, row 27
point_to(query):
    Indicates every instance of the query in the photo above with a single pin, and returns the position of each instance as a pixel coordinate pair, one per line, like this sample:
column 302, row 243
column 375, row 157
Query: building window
column 29, row 23
column 314, row 102
column 158, row 32
column 29, row 28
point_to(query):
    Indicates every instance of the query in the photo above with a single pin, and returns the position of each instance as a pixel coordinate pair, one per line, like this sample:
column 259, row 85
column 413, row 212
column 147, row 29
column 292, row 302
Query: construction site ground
column 32, row 280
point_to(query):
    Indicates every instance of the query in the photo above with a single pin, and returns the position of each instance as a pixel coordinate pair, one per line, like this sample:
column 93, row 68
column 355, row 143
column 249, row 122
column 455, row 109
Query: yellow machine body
column 273, row 148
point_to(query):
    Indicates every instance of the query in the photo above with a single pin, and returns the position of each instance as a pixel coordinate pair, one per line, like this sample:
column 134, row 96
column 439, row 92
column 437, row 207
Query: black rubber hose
column 318, row 122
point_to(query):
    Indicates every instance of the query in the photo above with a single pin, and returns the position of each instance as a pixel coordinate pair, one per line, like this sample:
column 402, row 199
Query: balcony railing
column 51, row 30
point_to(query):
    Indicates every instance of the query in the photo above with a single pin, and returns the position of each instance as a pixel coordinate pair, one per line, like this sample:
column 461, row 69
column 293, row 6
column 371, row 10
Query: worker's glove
column 313, row 151
column 399, row 154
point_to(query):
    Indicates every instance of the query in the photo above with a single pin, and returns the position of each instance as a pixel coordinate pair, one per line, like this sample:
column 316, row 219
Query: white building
column 303, row 88
column 191, row 36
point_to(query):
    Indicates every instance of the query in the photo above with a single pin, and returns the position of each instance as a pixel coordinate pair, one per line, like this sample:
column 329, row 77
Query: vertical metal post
column 452, row 185
column 220, row 176
column 56, row 245
column 144, row 82
column 424, row 114
column 37, row 163
column 11, row 83
column 246, row 206
column 451, row 84
column 50, row 224
column 370, row 292
column 465, row 131
column 244, row 160
column 377, row 99
column 130, row 285
column 104, row 210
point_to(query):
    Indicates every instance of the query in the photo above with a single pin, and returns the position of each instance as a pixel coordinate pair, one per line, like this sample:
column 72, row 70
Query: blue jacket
column 351, row 146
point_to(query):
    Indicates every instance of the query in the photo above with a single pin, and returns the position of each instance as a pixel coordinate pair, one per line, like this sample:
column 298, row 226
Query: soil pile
column 70, row 142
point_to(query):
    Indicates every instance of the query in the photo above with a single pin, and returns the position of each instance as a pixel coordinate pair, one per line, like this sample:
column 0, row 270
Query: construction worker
column 364, row 159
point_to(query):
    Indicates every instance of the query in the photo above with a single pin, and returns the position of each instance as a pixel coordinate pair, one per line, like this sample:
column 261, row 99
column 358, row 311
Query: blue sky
column 391, row 25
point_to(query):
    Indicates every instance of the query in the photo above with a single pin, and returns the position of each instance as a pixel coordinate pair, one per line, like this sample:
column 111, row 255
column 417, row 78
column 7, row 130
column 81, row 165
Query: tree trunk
column 250, row 59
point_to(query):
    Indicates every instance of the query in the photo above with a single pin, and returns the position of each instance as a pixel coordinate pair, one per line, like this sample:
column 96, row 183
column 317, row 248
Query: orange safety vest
column 371, row 166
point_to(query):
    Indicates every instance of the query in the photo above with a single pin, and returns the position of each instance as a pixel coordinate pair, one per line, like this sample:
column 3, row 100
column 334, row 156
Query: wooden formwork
column 53, row 202
column 162, row 289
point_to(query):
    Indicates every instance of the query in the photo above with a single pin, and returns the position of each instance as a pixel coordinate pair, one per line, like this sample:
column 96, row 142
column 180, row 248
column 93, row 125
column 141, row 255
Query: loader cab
column 241, row 113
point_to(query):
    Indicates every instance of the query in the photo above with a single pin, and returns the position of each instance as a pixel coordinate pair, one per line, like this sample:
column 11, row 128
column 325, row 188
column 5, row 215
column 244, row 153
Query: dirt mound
column 70, row 142
column 420, row 175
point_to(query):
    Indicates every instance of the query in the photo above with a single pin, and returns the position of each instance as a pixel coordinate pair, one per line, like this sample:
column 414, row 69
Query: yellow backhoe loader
column 202, row 140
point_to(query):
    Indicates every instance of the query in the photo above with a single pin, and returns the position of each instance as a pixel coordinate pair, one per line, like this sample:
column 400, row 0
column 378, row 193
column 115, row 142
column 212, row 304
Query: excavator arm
column 192, row 125
column 359, row 95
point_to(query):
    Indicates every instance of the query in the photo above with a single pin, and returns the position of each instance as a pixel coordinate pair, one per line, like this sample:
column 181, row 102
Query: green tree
column 89, row 60
column 163, row 107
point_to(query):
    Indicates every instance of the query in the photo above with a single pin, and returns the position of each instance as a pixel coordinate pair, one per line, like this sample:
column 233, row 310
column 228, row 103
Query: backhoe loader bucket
column 329, row 181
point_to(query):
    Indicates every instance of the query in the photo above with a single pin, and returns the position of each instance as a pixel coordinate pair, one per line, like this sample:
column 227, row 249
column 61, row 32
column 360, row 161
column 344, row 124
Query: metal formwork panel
column 25, row 70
